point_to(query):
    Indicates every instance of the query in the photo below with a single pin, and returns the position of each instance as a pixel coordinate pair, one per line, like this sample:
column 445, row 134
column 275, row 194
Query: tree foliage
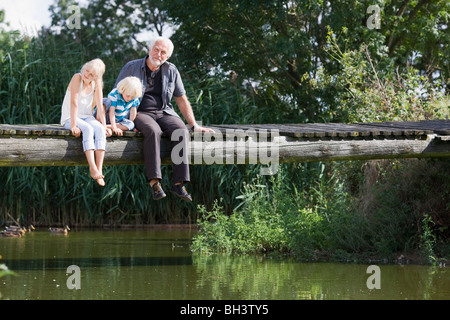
column 269, row 49
column 271, row 46
column 111, row 30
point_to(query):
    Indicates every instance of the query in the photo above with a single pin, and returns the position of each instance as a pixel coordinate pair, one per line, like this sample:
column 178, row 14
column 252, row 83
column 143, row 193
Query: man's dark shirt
column 152, row 99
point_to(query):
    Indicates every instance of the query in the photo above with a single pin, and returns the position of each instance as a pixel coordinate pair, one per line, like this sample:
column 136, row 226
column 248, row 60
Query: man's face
column 159, row 53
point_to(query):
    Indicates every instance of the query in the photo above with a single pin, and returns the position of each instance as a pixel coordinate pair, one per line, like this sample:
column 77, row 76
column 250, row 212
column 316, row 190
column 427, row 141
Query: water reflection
column 265, row 278
column 156, row 264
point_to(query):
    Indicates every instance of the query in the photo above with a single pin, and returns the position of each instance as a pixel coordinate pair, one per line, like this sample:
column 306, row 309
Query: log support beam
column 26, row 150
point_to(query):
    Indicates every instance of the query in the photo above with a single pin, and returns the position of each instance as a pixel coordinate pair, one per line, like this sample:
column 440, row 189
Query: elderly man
column 156, row 116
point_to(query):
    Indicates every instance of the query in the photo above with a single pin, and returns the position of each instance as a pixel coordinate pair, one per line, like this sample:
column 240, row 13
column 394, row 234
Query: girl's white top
column 84, row 104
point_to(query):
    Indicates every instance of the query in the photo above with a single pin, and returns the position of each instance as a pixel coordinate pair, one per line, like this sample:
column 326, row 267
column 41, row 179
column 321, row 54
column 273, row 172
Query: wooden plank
column 337, row 129
column 304, row 130
column 421, row 127
column 308, row 130
column 319, row 130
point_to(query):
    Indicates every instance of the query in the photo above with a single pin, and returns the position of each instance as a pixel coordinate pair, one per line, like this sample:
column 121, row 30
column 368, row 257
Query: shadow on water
column 59, row 263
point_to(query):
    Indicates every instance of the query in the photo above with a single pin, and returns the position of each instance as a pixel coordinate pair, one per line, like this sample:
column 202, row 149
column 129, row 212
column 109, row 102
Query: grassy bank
column 401, row 208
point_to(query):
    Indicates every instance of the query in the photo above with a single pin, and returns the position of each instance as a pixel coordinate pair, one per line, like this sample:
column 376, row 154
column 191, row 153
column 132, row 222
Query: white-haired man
column 156, row 116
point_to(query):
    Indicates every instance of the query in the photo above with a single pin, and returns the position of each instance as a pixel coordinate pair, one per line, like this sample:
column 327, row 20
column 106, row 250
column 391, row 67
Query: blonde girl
column 83, row 94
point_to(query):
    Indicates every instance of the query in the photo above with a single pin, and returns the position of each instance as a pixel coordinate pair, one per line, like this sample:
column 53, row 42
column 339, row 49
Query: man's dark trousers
column 153, row 124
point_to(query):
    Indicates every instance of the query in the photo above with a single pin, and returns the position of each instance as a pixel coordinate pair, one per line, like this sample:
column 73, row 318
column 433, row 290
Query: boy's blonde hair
column 131, row 86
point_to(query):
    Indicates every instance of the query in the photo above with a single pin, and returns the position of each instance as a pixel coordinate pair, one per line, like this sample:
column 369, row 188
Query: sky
column 26, row 15
column 29, row 16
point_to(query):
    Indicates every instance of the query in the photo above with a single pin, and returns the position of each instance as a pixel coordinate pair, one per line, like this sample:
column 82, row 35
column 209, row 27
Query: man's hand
column 202, row 129
column 186, row 109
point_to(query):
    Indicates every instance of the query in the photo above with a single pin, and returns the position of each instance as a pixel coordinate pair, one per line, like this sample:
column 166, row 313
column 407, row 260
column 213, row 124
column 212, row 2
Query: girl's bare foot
column 100, row 181
column 95, row 173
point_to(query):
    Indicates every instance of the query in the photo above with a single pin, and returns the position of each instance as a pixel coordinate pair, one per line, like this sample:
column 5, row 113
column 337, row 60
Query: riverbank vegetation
column 287, row 61
column 400, row 208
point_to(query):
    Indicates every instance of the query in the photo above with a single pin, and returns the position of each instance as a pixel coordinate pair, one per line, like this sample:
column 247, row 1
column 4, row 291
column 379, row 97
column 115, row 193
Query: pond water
column 158, row 264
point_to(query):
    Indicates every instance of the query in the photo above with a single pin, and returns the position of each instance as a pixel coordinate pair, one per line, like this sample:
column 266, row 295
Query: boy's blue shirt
column 122, row 108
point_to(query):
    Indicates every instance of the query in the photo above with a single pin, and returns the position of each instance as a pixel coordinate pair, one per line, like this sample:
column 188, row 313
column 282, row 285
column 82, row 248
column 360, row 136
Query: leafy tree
column 269, row 47
column 113, row 23
column 111, row 30
column 417, row 34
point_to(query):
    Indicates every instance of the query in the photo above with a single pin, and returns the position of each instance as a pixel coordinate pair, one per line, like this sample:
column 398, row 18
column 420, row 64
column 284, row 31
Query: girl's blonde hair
column 98, row 69
column 131, row 86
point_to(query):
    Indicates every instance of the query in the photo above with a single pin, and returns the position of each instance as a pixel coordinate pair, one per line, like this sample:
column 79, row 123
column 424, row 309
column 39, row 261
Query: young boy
column 124, row 102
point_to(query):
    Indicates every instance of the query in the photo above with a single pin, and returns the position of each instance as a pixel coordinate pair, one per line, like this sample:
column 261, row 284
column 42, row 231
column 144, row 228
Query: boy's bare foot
column 101, row 182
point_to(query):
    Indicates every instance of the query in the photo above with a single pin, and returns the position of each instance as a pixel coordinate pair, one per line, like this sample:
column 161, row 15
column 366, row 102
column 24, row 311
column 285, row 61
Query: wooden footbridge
column 52, row 145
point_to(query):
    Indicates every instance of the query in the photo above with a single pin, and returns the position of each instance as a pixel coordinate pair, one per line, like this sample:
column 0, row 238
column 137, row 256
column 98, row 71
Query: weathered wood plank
column 52, row 145
column 309, row 130
column 426, row 126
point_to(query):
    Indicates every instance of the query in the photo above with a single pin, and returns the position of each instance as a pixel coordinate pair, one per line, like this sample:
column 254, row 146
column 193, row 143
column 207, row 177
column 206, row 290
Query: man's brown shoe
column 180, row 191
column 158, row 192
